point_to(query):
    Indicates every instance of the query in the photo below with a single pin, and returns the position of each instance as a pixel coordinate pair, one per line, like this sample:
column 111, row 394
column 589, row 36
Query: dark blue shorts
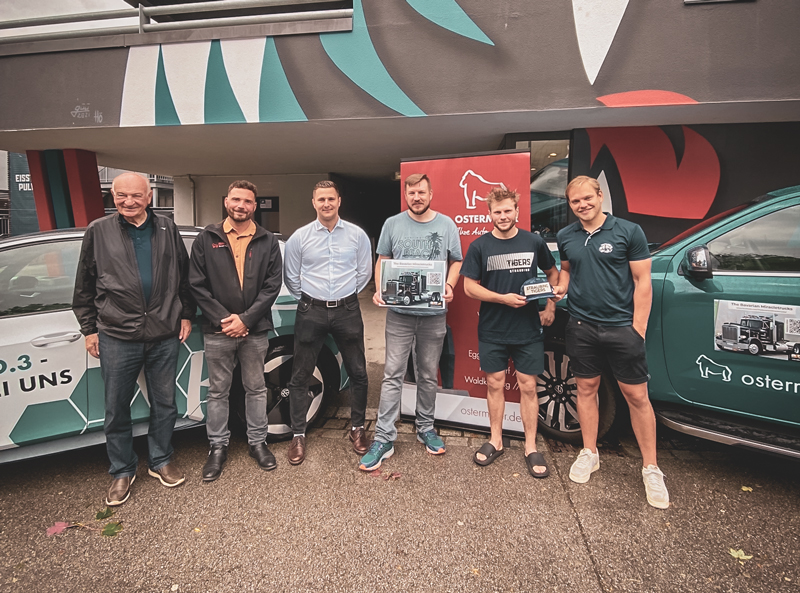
column 592, row 347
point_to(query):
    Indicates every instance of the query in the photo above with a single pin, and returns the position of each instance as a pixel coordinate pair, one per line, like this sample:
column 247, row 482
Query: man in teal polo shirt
column 605, row 265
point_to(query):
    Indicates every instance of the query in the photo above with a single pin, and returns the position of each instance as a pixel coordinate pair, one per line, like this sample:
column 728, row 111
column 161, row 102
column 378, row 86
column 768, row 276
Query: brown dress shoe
column 297, row 450
column 120, row 491
column 170, row 475
column 358, row 436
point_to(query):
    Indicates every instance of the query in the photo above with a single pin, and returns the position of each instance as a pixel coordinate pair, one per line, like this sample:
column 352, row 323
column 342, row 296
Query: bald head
column 128, row 178
column 132, row 196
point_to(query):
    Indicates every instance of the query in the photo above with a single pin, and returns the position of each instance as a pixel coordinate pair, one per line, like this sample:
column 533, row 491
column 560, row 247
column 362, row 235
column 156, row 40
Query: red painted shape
column 41, row 191
column 84, row 186
column 644, row 98
column 654, row 183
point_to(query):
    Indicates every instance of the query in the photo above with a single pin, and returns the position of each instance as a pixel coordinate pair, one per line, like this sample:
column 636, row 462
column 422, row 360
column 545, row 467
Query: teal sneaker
column 432, row 442
column 378, row 451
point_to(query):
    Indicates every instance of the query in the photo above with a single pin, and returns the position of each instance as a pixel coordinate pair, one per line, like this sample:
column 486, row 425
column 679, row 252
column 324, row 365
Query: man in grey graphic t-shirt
column 417, row 233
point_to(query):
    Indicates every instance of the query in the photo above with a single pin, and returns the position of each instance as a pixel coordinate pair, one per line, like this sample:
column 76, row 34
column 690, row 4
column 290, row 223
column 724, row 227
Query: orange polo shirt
column 239, row 243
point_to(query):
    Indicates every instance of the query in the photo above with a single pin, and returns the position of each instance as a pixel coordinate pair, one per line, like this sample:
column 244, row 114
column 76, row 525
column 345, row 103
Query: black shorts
column 528, row 358
column 591, row 347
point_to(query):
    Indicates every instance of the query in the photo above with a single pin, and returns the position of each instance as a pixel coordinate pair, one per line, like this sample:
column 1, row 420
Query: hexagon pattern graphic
column 73, row 416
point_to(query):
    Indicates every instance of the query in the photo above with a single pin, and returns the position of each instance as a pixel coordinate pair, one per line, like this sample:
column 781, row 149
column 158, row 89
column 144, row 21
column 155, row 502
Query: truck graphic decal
column 760, row 329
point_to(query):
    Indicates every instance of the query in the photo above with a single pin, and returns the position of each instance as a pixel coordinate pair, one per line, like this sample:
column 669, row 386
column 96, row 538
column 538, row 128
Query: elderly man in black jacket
column 235, row 277
column 133, row 303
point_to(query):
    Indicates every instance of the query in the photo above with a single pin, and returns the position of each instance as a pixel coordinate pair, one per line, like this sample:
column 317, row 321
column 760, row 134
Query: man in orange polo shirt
column 236, row 302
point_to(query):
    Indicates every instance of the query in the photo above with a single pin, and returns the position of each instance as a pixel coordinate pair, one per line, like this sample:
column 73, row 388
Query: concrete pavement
column 443, row 525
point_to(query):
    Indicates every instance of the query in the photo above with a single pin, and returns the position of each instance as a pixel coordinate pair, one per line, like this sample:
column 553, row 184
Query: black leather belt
column 329, row 304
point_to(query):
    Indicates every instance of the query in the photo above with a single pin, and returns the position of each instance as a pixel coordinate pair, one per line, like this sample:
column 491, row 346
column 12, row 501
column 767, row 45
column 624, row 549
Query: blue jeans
column 312, row 325
column 121, row 362
column 426, row 335
column 222, row 353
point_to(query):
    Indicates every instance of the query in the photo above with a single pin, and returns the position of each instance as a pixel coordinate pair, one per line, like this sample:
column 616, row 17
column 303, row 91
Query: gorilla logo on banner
column 476, row 188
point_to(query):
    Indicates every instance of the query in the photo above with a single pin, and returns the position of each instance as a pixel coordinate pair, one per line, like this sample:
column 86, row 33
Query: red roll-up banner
column 459, row 185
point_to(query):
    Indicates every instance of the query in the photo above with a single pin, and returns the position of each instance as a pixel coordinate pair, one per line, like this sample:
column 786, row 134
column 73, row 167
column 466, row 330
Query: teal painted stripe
column 276, row 99
column 221, row 106
column 166, row 114
column 449, row 15
column 59, row 189
column 354, row 54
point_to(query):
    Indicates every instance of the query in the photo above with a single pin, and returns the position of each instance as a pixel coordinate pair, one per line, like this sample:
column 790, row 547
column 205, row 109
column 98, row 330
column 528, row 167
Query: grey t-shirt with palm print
column 402, row 237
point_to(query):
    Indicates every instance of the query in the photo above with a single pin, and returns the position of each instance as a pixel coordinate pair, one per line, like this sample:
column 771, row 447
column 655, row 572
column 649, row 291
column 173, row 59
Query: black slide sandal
column 534, row 459
column 488, row 451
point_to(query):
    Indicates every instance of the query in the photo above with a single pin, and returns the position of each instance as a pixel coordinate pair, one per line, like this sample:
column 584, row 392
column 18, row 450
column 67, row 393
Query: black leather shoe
column 262, row 454
column 216, row 459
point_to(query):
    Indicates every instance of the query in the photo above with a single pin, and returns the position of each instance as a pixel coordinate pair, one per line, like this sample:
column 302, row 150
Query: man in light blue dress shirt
column 326, row 264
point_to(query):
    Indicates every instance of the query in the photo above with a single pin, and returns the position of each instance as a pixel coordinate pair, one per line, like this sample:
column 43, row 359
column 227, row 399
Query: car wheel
column 277, row 374
column 755, row 347
column 558, row 392
column 406, row 300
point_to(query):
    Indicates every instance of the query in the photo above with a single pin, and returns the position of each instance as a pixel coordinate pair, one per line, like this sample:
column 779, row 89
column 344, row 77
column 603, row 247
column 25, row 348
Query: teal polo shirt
column 600, row 280
column 142, row 237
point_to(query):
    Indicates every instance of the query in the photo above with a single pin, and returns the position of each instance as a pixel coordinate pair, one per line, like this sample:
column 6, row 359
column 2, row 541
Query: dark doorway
column 368, row 202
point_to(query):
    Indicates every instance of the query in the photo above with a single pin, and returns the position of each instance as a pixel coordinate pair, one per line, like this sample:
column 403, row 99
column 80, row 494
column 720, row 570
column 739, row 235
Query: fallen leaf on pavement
column 460, row 523
column 739, row 554
column 58, row 527
column 111, row 529
column 476, row 571
column 104, row 514
column 375, row 473
column 515, row 475
column 746, row 489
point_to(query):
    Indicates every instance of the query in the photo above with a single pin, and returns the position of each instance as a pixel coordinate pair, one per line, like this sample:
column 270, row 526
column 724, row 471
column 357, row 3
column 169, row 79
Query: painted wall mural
column 668, row 178
column 416, row 57
column 244, row 81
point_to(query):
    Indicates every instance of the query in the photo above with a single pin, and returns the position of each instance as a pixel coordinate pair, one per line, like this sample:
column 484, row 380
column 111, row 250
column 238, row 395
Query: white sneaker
column 586, row 463
column 657, row 494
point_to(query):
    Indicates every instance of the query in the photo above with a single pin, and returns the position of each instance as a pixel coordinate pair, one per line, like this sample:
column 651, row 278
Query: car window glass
column 548, row 204
column 768, row 244
column 38, row 277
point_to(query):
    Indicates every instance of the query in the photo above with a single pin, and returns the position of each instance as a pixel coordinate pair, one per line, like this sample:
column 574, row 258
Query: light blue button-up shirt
column 327, row 265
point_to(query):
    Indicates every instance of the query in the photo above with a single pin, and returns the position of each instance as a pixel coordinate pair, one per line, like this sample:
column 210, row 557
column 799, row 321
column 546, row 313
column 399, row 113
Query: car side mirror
column 697, row 263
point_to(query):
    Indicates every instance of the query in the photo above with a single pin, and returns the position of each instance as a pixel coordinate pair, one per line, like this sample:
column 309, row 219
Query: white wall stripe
column 139, row 88
column 596, row 24
column 186, row 65
column 243, row 59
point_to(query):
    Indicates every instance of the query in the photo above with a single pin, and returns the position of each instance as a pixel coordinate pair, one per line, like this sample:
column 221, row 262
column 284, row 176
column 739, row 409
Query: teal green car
column 723, row 341
column 51, row 390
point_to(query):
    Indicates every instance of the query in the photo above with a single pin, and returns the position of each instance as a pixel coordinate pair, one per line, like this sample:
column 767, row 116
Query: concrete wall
column 294, row 192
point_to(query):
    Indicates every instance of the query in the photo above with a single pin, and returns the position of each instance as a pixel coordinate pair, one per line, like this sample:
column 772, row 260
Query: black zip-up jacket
column 108, row 289
column 215, row 282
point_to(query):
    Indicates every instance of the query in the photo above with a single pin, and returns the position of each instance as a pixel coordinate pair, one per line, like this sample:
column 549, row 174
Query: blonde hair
column 580, row 180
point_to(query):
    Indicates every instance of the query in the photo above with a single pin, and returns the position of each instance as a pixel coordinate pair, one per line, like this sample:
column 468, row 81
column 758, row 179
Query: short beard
column 231, row 213
column 506, row 230
column 424, row 210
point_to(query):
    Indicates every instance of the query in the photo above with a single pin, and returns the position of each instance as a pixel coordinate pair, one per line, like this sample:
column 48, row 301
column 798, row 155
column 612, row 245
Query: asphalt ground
column 426, row 523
